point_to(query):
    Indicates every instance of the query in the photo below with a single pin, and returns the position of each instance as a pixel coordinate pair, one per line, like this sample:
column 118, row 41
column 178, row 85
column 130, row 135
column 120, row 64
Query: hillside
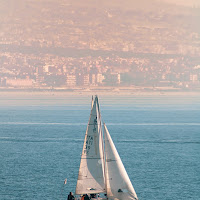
column 144, row 27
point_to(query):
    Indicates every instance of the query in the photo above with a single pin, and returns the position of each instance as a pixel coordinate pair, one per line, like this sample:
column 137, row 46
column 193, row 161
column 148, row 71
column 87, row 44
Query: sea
column 157, row 138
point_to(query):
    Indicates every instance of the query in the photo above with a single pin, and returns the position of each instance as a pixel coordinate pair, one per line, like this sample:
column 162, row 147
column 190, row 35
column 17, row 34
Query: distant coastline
column 106, row 91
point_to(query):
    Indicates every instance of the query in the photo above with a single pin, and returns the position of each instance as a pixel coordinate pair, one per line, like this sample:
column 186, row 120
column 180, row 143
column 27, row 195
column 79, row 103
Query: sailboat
column 101, row 169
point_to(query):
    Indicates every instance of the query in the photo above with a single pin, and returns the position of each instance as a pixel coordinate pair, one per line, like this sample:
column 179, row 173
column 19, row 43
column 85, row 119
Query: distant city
column 59, row 45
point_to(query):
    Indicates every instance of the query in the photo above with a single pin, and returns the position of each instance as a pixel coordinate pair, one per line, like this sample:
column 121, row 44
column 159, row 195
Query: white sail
column 91, row 171
column 118, row 184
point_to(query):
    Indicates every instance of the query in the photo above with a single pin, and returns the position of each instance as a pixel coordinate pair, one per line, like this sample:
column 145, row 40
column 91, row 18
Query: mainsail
column 91, row 172
column 118, row 184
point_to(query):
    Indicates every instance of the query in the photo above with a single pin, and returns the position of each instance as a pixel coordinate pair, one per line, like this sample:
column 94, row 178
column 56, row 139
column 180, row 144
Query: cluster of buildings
column 51, row 71
column 30, row 71
column 69, row 45
column 69, row 81
column 75, row 78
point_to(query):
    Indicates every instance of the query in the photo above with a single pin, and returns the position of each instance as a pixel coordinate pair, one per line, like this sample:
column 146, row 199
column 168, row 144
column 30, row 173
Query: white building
column 100, row 78
column 193, row 77
column 86, row 80
column 71, row 80
column 19, row 82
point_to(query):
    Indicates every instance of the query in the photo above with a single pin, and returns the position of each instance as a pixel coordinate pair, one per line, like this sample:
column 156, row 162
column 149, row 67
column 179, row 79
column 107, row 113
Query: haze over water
column 141, row 57
column 157, row 138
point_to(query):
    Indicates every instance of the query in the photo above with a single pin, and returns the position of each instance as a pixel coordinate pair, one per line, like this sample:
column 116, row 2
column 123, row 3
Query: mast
column 103, row 149
column 105, row 170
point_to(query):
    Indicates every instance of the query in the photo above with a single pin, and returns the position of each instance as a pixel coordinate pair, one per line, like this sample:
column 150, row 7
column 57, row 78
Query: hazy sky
column 184, row 2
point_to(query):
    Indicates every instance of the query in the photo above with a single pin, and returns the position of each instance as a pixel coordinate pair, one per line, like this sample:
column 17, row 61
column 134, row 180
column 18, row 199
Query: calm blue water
column 158, row 139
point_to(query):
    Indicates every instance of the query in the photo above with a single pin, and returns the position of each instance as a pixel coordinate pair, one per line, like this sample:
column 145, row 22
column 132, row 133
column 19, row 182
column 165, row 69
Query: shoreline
column 82, row 93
